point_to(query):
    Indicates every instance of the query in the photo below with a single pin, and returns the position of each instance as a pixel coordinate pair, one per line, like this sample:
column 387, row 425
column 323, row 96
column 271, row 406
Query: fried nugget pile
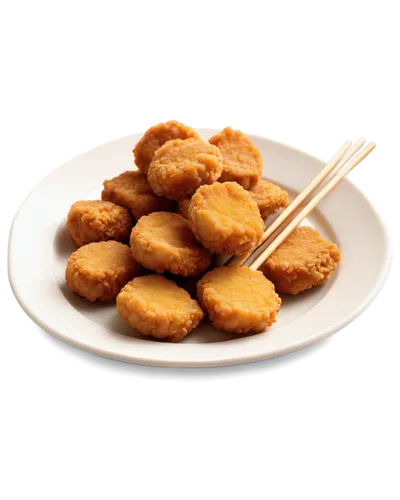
column 189, row 200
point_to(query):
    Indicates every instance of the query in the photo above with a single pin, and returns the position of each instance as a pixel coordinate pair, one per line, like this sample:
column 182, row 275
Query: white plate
column 39, row 248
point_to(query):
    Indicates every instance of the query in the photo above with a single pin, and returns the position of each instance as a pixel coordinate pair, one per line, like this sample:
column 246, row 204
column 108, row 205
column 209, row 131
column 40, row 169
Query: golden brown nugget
column 238, row 299
column 155, row 137
column 132, row 191
column 242, row 160
column 183, row 208
column 98, row 271
column 90, row 221
column 225, row 218
column 158, row 307
column 269, row 197
column 180, row 167
column 164, row 241
column 302, row 261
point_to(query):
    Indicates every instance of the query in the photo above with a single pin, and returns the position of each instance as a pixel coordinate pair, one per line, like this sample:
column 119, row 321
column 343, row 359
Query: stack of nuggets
column 221, row 200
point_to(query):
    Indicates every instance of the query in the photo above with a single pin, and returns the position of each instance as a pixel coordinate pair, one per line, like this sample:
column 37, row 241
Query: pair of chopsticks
column 338, row 168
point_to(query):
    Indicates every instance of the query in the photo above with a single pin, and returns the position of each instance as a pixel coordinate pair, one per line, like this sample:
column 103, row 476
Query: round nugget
column 302, row 261
column 96, row 220
column 155, row 137
column 98, row 271
column 164, row 241
column 225, row 218
column 183, row 208
column 241, row 159
column 238, row 299
column 180, row 167
column 269, row 197
column 158, row 307
column 131, row 190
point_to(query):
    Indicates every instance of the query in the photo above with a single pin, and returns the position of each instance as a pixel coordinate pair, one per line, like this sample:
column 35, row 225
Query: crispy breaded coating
column 238, row 299
column 225, row 218
column 98, row 271
column 179, row 167
column 164, row 241
column 132, row 191
column 158, row 307
column 269, row 197
column 241, row 159
column 155, row 137
column 183, row 208
column 96, row 220
column 302, row 261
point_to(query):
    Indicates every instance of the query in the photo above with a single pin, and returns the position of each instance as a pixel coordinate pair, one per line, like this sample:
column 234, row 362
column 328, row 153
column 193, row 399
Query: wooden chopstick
column 276, row 227
column 334, row 162
column 311, row 205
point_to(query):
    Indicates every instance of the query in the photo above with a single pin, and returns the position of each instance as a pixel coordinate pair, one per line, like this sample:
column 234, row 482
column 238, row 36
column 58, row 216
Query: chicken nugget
column 183, row 208
column 98, row 271
column 155, row 137
column 302, row 261
column 158, row 307
column 164, row 241
column 269, row 197
column 225, row 218
column 131, row 190
column 238, row 299
column 180, row 167
column 241, row 159
column 96, row 220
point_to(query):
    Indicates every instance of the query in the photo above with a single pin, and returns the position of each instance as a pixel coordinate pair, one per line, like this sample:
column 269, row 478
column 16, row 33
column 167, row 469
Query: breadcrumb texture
column 90, row 221
column 302, row 261
column 225, row 218
column 164, row 241
column 269, row 197
column 179, row 167
column 238, row 299
column 183, row 208
column 98, row 271
column 158, row 307
column 241, row 159
column 155, row 137
column 132, row 191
